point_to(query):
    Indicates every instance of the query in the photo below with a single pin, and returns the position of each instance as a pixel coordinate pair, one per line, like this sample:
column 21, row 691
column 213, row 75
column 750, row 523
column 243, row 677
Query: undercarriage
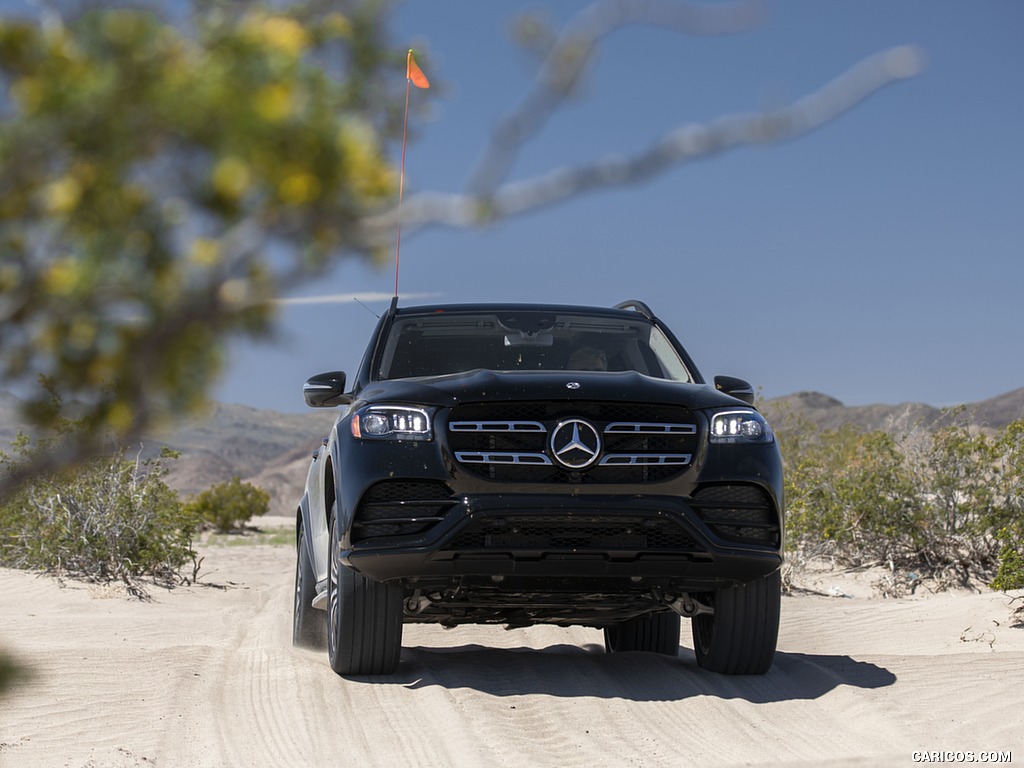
column 452, row 607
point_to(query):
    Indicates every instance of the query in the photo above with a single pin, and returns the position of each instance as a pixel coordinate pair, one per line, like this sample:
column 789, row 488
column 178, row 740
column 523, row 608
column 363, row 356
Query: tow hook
column 689, row 607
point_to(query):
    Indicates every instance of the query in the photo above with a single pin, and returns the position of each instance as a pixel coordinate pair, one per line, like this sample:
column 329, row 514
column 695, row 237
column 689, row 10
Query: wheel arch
column 330, row 490
column 303, row 523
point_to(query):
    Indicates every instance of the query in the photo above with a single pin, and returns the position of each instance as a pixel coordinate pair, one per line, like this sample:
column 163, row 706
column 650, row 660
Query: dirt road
column 206, row 676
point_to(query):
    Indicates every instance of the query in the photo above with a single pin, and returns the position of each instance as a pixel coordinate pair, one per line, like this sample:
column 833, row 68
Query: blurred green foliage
column 230, row 505
column 163, row 181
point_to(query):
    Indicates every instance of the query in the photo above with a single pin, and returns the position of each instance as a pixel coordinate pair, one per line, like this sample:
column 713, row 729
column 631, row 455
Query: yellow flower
column 298, row 187
column 205, row 252
column 285, row 35
column 60, row 278
column 62, row 195
column 273, row 102
column 120, row 416
column 231, row 177
column 366, row 170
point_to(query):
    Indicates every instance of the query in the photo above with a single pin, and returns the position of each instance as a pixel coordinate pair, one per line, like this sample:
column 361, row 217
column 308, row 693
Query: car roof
column 509, row 307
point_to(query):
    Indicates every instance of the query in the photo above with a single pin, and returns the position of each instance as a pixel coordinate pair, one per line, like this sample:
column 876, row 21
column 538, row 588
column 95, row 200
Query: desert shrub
column 1008, row 517
column 1010, row 571
column 957, row 493
column 113, row 518
column 229, row 505
column 851, row 488
column 948, row 503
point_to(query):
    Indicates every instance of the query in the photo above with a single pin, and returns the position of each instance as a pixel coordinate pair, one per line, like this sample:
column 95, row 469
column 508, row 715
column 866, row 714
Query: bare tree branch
column 684, row 144
column 566, row 63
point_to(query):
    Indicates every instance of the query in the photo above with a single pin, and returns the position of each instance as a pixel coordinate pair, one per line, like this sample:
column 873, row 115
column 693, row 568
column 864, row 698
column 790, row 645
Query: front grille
column 742, row 514
column 575, row 533
column 400, row 508
column 509, row 442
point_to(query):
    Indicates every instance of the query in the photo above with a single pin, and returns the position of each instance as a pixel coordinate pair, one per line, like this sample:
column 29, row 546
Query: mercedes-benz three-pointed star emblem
column 575, row 444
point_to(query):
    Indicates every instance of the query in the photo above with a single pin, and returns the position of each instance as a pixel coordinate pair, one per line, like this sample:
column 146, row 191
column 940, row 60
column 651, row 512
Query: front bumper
column 530, row 541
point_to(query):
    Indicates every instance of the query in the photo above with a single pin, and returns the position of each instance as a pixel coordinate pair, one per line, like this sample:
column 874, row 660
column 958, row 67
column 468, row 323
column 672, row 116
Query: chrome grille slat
column 646, row 459
column 502, row 457
column 649, row 428
column 496, row 426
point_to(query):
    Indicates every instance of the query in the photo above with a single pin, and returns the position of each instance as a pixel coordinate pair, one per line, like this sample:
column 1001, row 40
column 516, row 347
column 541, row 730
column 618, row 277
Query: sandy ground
column 206, row 676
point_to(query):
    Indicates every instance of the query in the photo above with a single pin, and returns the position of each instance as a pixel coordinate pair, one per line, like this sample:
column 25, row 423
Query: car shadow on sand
column 587, row 671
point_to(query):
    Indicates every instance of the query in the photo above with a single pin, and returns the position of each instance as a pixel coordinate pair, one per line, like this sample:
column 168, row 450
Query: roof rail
column 639, row 306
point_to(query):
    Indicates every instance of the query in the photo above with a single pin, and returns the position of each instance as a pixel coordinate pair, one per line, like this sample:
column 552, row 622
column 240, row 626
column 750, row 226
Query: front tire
column 739, row 638
column 309, row 625
column 653, row 633
column 364, row 620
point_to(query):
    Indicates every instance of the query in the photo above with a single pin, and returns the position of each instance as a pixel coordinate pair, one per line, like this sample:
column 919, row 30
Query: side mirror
column 737, row 388
column 326, row 390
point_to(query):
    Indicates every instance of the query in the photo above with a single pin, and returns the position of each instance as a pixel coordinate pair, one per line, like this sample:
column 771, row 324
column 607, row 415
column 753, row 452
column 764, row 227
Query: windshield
column 454, row 342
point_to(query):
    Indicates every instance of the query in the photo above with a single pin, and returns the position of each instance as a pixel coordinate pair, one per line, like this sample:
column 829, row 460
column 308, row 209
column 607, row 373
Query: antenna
column 357, row 301
column 413, row 76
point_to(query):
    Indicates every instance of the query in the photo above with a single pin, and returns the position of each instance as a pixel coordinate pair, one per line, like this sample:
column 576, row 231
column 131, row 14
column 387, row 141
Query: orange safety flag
column 414, row 73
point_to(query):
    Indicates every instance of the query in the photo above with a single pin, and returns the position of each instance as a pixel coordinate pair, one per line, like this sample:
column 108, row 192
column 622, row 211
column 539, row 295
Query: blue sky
column 879, row 259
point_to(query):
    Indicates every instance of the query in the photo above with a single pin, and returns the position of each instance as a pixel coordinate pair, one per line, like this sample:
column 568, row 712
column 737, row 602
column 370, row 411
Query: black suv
column 528, row 464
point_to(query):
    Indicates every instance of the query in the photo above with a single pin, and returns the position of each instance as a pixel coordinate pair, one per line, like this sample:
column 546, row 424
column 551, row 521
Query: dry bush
column 229, row 506
column 943, row 505
column 110, row 519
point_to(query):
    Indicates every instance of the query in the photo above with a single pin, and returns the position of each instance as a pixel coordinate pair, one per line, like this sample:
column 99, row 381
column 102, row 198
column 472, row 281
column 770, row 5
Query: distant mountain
column 828, row 413
column 273, row 450
column 267, row 448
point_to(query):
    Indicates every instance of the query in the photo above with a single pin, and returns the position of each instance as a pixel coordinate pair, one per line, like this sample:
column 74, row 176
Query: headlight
column 395, row 422
column 740, row 427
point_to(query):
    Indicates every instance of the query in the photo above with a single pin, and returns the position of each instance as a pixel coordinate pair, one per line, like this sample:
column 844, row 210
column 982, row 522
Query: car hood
column 497, row 386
